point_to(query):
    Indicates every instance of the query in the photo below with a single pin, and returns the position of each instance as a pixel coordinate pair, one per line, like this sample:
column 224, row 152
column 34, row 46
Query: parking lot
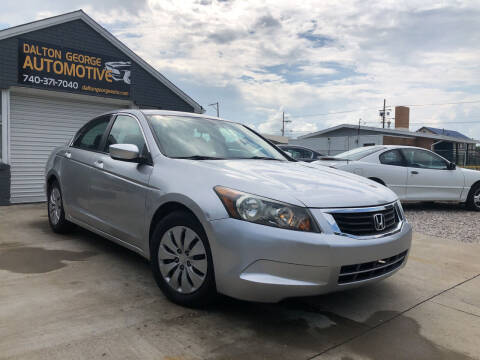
column 82, row 297
column 448, row 221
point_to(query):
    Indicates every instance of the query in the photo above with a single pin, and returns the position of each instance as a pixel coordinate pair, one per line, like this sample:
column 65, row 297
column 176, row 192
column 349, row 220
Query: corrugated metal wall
column 337, row 144
column 38, row 125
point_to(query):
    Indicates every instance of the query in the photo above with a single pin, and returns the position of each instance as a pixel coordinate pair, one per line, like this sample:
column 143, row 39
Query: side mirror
column 124, row 152
column 451, row 166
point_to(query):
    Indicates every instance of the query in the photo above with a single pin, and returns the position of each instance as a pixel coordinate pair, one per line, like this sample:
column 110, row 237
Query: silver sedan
column 218, row 209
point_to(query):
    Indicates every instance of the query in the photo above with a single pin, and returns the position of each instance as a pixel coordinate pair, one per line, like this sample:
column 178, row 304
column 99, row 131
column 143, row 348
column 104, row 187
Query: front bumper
column 260, row 263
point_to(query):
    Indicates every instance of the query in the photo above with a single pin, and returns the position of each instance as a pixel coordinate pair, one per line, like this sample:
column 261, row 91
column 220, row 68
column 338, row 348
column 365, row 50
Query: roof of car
column 147, row 112
column 391, row 147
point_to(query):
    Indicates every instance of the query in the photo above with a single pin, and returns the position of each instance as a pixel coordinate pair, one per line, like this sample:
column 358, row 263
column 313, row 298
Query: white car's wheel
column 473, row 201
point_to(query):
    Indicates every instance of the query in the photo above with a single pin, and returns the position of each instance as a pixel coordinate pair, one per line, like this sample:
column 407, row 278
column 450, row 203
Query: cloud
column 265, row 57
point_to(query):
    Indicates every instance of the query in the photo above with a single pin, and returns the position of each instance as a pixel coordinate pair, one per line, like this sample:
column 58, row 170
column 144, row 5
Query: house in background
column 452, row 145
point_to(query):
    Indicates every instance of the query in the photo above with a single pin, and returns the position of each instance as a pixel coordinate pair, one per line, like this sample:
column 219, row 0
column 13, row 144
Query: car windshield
column 358, row 153
column 208, row 139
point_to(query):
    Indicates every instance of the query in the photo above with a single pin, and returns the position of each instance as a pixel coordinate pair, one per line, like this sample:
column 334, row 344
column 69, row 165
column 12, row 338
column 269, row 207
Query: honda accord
column 216, row 208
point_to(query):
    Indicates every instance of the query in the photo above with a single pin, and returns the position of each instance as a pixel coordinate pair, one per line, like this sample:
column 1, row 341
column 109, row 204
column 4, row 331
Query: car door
column 118, row 189
column 392, row 171
column 430, row 177
column 77, row 168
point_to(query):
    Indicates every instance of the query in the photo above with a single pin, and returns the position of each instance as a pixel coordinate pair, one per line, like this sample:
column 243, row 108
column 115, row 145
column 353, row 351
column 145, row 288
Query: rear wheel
column 181, row 260
column 473, row 201
column 56, row 212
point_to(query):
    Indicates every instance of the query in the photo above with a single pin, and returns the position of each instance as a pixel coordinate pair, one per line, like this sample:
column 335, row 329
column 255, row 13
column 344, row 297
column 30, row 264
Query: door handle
column 414, row 172
column 98, row 164
column 68, row 154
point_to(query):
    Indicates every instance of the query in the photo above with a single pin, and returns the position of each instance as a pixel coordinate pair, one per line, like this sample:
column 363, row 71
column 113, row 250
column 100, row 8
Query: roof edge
column 81, row 15
column 392, row 132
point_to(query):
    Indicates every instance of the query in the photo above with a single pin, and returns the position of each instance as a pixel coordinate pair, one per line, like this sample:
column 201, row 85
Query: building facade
column 451, row 145
column 55, row 75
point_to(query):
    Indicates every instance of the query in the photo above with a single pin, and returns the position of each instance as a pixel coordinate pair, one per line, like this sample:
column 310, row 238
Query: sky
column 322, row 63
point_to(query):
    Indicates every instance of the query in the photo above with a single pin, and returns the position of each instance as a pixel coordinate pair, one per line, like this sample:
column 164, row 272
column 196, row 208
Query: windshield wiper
column 261, row 158
column 198, row 157
column 333, row 158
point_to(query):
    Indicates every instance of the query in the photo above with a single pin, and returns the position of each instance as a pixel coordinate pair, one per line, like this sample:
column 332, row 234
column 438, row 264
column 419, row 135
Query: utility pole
column 284, row 122
column 383, row 114
column 216, row 105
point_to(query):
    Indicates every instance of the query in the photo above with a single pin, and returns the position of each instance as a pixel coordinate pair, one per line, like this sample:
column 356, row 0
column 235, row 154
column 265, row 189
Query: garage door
column 39, row 124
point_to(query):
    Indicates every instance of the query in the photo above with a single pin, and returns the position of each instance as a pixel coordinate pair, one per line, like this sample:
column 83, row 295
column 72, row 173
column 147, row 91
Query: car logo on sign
column 379, row 221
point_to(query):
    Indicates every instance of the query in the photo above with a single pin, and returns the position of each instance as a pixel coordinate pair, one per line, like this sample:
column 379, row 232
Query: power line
column 364, row 109
column 451, row 103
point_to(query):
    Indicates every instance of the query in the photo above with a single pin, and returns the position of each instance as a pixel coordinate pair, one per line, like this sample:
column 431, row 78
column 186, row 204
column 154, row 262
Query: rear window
column 358, row 153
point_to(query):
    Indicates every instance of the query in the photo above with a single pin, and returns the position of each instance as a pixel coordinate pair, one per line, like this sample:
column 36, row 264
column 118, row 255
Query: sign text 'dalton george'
column 49, row 66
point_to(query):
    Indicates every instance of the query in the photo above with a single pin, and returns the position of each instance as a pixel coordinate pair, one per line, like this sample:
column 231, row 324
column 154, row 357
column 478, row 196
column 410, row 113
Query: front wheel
column 56, row 212
column 473, row 201
column 181, row 260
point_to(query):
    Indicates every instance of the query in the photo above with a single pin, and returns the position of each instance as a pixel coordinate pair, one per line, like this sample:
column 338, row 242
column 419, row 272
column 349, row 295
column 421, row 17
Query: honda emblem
column 379, row 221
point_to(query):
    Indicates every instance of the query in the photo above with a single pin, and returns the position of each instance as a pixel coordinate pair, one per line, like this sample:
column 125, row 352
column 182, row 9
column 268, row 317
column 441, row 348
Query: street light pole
column 216, row 105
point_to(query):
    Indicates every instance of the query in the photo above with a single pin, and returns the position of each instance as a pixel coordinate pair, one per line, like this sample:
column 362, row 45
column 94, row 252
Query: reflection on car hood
column 294, row 182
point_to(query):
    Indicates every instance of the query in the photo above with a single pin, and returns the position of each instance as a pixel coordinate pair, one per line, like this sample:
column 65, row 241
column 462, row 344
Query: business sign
column 57, row 68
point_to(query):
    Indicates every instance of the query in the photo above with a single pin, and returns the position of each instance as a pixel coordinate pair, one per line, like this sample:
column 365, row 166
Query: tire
column 473, row 201
column 181, row 260
column 56, row 212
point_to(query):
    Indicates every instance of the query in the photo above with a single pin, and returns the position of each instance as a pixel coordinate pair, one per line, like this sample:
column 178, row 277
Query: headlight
column 401, row 214
column 256, row 209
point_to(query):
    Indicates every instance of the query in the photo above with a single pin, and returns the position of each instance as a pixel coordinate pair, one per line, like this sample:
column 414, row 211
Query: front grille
column 370, row 270
column 363, row 223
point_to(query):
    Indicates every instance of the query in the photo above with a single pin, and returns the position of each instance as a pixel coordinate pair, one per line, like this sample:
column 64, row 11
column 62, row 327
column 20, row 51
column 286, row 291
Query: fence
column 470, row 158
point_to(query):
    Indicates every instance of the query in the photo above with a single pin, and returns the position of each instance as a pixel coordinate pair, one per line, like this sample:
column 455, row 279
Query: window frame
column 102, row 140
column 404, row 159
column 428, row 152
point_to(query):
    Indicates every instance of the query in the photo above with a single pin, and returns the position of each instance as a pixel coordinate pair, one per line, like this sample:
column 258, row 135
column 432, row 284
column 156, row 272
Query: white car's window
column 424, row 159
column 125, row 130
column 187, row 137
column 358, row 153
column 90, row 136
column 392, row 157
column 297, row 153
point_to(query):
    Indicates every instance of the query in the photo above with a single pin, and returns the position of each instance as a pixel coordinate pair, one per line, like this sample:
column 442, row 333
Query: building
column 452, row 145
column 56, row 74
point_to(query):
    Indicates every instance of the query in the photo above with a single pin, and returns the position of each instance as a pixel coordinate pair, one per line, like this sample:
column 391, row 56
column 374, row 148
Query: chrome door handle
column 98, row 164
column 414, row 172
column 68, row 154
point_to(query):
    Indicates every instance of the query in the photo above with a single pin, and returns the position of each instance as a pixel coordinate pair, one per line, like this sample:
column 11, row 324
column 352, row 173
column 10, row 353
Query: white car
column 415, row 174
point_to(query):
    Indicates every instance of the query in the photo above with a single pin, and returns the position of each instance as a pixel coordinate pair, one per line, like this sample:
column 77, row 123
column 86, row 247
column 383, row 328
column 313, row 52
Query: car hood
column 294, row 182
column 471, row 176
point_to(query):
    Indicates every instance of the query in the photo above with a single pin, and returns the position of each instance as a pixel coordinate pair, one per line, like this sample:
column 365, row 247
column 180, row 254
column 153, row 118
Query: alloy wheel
column 55, row 205
column 182, row 259
column 476, row 198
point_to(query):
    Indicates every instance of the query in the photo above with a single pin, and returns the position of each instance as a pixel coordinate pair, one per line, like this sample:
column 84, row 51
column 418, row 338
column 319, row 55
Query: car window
column 297, row 153
column 392, row 157
column 90, row 136
column 424, row 159
column 126, row 130
column 358, row 153
column 184, row 136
